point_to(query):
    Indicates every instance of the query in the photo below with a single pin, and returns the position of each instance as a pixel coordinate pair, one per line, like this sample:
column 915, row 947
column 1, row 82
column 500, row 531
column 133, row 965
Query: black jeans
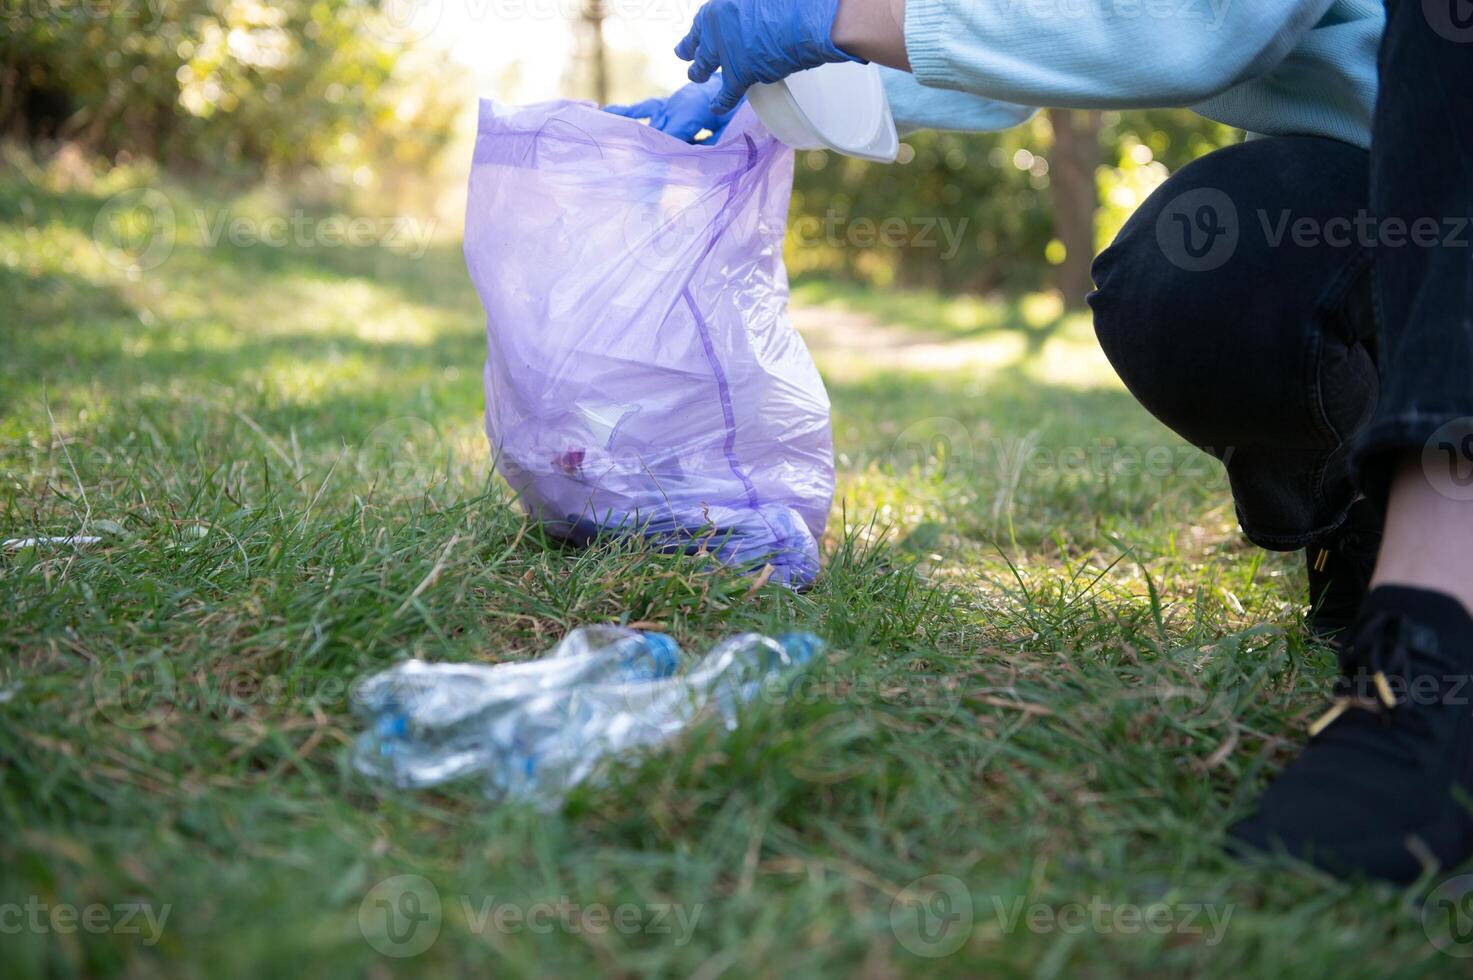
column 1302, row 308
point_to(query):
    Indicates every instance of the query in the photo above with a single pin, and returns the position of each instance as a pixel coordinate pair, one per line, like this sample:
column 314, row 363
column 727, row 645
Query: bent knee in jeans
column 1240, row 337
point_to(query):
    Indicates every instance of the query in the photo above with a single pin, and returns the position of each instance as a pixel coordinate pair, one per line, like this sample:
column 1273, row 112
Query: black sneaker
column 1385, row 786
column 1340, row 566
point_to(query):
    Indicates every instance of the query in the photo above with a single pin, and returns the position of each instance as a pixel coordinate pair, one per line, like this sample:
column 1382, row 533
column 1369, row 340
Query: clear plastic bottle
column 536, row 729
column 429, row 722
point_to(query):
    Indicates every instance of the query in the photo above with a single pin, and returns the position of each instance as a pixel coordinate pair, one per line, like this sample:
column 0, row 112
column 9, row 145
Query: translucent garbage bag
column 642, row 373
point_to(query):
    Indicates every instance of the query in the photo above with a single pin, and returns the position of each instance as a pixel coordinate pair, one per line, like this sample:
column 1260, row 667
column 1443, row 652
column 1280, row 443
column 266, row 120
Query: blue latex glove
column 755, row 41
column 684, row 114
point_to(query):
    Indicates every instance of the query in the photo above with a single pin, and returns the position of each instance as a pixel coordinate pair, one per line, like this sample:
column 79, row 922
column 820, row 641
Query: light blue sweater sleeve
column 1268, row 66
column 918, row 107
column 1115, row 54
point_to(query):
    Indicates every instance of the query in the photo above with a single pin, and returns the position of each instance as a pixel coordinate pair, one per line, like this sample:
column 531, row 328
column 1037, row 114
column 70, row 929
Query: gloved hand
column 755, row 41
column 683, row 114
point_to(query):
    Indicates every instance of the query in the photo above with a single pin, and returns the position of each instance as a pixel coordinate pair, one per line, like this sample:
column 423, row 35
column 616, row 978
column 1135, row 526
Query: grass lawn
column 1056, row 674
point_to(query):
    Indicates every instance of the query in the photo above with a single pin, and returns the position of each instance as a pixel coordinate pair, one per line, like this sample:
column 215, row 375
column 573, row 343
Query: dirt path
column 846, row 343
column 849, row 344
column 829, row 328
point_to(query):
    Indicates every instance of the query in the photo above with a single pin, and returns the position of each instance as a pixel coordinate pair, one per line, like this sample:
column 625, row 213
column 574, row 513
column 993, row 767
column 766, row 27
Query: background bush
column 1002, row 184
column 224, row 86
column 329, row 90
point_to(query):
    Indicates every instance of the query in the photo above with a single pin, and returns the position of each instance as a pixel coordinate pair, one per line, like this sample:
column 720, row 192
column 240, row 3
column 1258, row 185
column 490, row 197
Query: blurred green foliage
column 339, row 88
column 225, row 86
column 991, row 191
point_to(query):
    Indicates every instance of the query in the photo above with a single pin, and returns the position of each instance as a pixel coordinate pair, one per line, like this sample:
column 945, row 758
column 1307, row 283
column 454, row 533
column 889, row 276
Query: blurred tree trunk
column 1076, row 156
column 9, row 92
column 595, row 55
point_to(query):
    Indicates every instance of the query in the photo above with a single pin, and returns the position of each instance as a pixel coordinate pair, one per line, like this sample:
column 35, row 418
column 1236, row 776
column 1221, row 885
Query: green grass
column 1057, row 673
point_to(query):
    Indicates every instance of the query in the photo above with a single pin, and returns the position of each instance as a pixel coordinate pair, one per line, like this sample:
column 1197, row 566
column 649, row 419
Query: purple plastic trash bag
column 642, row 373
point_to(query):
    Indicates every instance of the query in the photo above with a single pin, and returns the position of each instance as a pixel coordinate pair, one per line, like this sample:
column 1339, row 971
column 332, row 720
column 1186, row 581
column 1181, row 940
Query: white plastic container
column 840, row 107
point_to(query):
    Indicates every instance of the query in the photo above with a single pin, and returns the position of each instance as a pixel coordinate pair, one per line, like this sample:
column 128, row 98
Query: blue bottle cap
column 392, row 725
column 801, row 647
column 664, row 655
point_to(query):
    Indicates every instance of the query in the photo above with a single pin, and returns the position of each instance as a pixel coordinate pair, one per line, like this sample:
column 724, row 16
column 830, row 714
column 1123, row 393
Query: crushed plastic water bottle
column 535, row 729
